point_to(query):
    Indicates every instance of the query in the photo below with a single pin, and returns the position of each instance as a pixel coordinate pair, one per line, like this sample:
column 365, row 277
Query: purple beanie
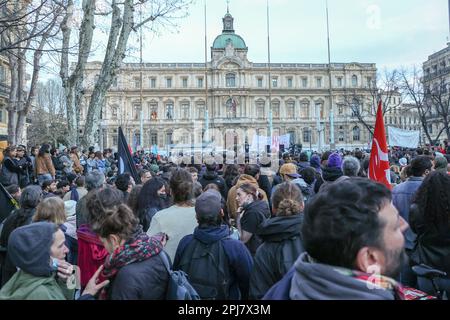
column 334, row 161
column 315, row 161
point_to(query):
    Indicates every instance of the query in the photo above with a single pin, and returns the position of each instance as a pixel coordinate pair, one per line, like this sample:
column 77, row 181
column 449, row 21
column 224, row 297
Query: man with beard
column 353, row 237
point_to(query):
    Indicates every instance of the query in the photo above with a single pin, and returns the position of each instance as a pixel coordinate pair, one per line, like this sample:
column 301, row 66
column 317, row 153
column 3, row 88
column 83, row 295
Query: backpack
column 179, row 287
column 208, row 269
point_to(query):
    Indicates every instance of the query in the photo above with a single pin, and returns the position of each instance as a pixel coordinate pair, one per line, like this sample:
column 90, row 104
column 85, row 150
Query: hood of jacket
column 211, row 235
column 22, row 284
column 304, row 187
column 331, row 174
column 245, row 178
column 315, row 281
column 258, row 205
column 29, row 248
column 277, row 229
column 210, row 175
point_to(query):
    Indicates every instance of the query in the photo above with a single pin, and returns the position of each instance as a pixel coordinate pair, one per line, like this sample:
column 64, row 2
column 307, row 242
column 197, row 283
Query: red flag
column 379, row 161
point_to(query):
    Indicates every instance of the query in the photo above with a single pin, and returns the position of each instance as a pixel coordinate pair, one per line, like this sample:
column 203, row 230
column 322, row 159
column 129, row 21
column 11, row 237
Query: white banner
column 259, row 142
column 403, row 138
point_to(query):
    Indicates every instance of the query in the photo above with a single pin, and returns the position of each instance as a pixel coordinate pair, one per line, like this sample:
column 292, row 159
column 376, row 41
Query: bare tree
column 48, row 116
column 383, row 89
column 412, row 86
column 123, row 21
column 44, row 16
column 439, row 98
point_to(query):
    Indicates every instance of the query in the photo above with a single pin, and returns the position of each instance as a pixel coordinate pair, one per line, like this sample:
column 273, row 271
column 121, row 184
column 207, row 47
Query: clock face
column 228, row 24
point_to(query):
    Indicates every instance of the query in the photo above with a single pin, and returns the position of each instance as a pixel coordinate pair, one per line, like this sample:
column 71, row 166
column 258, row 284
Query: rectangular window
column 137, row 111
column 304, row 82
column 260, row 82
column 169, row 82
column 274, row 82
column 339, row 82
column 137, row 82
column 260, row 111
column 306, row 135
column 2, row 74
column 290, row 110
column 200, row 111
column 153, row 83
column 319, row 82
column 289, row 82
column 200, row 82
column 185, row 82
column 1, row 115
column 114, row 139
column 153, row 109
column 276, row 111
column 185, row 111
column 154, row 138
column 340, row 109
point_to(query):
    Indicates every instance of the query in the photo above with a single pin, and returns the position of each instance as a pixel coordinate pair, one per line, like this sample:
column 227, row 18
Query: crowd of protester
column 317, row 228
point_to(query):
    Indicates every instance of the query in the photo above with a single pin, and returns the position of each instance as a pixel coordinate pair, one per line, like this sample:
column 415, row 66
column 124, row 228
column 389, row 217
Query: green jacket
column 24, row 286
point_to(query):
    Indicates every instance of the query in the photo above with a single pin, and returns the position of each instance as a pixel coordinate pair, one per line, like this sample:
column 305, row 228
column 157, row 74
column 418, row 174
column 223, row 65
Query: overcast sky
column 386, row 32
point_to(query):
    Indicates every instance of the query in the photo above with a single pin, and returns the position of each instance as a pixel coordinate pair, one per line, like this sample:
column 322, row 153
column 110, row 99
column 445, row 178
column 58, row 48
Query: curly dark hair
column 433, row 198
column 108, row 215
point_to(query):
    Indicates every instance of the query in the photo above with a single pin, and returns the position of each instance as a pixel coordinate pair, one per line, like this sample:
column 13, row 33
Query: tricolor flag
column 126, row 163
column 379, row 160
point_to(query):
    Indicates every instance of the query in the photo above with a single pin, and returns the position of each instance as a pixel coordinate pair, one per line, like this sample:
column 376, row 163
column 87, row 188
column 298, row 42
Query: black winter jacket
column 282, row 244
column 432, row 245
column 144, row 280
column 213, row 177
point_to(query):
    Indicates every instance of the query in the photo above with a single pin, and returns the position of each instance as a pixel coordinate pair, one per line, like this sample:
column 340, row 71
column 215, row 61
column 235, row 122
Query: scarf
column 401, row 292
column 139, row 248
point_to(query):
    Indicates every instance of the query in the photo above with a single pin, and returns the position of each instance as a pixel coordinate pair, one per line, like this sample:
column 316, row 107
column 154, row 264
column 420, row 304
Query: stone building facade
column 233, row 104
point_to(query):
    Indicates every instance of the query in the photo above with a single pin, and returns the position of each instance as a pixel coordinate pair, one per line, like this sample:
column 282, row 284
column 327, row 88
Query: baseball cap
column 290, row 170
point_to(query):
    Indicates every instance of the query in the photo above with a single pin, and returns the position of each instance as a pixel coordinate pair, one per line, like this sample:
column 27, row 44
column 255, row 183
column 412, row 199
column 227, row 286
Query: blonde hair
column 50, row 210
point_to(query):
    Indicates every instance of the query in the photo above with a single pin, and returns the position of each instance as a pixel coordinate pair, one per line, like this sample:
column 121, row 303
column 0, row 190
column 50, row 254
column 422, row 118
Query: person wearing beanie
column 38, row 251
column 440, row 164
column 331, row 171
column 315, row 163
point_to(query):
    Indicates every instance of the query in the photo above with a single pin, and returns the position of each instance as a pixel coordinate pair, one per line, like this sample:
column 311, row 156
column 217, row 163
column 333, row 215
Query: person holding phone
column 38, row 251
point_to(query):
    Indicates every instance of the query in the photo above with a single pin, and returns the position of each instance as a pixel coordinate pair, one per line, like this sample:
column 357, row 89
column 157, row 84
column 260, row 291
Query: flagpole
column 206, row 136
column 141, row 115
column 270, row 76
column 330, row 90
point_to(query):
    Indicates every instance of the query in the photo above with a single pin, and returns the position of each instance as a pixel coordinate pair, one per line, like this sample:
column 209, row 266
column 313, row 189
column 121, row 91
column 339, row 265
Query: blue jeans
column 44, row 177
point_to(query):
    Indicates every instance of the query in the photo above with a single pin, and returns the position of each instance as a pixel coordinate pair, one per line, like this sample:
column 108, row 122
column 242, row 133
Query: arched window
column 231, row 80
column 356, row 133
column 354, row 81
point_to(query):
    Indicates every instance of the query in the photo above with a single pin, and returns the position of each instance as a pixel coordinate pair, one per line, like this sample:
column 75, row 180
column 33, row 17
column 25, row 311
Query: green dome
column 222, row 40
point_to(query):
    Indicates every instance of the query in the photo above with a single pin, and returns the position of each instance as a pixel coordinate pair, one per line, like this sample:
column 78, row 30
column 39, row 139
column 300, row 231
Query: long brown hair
column 287, row 199
column 251, row 190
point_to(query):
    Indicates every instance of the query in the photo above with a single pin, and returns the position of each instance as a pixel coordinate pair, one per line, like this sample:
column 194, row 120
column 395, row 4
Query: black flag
column 7, row 203
column 126, row 163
